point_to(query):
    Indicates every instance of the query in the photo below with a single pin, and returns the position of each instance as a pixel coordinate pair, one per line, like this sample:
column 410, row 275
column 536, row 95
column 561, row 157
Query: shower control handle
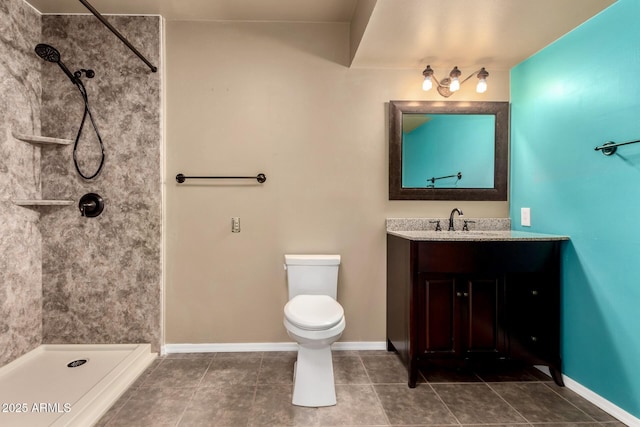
column 91, row 205
column 88, row 205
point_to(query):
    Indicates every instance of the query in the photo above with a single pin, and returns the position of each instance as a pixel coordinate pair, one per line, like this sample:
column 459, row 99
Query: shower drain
column 76, row 363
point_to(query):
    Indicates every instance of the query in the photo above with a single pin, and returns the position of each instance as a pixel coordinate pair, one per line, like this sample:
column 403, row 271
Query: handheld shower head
column 48, row 53
column 51, row 54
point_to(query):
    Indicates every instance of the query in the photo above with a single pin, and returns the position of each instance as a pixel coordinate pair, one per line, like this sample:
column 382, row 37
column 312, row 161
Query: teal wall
column 575, row 94
column 448, row 144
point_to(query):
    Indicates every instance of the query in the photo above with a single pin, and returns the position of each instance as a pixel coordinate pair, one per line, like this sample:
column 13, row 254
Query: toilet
column 314, row 319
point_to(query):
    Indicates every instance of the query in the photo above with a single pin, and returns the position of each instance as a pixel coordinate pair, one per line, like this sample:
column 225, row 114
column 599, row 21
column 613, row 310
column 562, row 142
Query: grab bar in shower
column 261, row 178
column 609, row 148
column 117, row 33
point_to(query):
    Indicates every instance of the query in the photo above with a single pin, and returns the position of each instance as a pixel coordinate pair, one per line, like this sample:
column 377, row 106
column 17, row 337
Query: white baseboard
column 601, row 402
column 267, row 346
column 360, row 345
column 596, row 399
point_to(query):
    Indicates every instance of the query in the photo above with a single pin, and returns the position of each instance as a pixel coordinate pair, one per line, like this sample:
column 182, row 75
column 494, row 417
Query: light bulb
column 427, row 84
column 454, row 85
column 482, row 86
column 482, row 81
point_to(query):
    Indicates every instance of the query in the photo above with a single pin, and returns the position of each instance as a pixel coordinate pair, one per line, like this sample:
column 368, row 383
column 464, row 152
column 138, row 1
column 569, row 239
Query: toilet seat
column 313, row 312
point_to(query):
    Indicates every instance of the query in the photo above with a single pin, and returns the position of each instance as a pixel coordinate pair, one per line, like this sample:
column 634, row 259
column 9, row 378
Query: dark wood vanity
column 474, row 300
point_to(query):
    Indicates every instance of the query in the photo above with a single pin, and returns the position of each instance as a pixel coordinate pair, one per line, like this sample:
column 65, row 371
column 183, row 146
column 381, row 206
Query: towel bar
column 261, row 178
column 608, row 148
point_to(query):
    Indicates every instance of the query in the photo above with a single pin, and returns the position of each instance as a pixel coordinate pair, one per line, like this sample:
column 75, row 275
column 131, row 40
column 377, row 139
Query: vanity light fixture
column 447, row 86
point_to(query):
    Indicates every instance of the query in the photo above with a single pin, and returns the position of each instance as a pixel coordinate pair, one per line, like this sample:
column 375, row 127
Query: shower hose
column 87, row 112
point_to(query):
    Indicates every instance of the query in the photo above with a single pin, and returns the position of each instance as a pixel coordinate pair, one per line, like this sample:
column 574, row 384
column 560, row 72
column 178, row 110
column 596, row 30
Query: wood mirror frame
column 499, row 190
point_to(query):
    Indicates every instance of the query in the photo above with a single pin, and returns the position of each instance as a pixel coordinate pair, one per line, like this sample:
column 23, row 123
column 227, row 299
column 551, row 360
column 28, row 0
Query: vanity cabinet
column 462, row 301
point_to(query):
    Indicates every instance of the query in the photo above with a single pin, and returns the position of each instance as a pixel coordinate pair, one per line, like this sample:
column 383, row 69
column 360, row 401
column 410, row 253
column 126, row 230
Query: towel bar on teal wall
column 609, row 148
column 434, row 179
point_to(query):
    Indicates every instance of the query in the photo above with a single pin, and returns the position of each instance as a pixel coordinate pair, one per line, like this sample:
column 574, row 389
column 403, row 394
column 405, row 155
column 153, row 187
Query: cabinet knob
column 465, row 294
column 534, row 292
column 534, row 339
column 458, row 294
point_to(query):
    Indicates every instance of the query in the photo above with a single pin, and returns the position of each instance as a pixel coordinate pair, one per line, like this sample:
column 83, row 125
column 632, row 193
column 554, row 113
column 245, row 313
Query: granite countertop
column 481, row 229
column 475, row 236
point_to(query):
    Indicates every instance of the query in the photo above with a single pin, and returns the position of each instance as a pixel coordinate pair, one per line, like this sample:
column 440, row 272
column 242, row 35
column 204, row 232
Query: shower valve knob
column 91, row 205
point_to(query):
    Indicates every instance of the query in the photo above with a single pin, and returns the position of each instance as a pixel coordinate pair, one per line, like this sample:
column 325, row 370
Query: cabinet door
column 481, row 331
column 533, row 316
column 459, row 316
column 437, row 315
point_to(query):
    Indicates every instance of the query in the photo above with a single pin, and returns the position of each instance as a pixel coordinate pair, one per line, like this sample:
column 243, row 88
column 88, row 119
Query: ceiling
column 497, row 34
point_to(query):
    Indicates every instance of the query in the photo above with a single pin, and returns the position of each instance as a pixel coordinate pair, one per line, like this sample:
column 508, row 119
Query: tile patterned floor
column 254, row 389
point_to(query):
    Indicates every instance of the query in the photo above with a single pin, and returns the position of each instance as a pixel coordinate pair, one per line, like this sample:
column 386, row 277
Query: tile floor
column 254, row 389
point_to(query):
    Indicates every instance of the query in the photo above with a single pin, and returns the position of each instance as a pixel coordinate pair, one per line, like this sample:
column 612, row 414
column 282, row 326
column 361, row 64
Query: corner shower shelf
column 41, row 202
column 41, row 140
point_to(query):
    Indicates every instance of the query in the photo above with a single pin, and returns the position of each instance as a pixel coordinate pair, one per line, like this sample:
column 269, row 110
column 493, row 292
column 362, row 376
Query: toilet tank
column 312, row 274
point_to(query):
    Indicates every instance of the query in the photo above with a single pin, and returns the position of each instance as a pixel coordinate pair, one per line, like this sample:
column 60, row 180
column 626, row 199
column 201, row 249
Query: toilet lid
column 313, row 312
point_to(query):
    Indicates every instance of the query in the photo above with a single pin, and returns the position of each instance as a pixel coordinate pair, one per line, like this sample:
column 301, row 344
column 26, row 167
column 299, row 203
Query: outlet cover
column 235, row 224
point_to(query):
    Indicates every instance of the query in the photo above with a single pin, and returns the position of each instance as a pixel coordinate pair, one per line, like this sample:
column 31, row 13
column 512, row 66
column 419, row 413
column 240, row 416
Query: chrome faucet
column 451, row 228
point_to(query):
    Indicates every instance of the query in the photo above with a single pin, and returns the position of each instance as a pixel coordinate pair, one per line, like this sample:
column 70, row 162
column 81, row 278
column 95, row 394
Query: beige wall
column 277, row 98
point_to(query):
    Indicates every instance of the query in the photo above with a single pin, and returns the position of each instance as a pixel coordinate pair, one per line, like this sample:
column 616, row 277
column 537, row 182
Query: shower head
column 51, row 54
column 48, row 53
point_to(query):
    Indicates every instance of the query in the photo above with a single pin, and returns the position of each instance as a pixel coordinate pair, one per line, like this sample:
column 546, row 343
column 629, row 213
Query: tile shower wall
column 102, row 276
column 20, row 241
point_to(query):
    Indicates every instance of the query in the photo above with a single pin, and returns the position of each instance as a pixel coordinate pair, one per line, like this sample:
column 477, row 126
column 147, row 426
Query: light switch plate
column 525, row 217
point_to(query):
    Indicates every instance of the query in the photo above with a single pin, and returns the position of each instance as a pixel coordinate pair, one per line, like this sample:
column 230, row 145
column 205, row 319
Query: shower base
column 39, row 389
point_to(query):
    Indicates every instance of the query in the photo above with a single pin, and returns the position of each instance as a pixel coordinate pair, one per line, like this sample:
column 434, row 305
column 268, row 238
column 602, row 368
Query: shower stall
column 72, row 284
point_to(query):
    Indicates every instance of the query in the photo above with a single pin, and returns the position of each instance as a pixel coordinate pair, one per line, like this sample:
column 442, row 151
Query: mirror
column 448, row 150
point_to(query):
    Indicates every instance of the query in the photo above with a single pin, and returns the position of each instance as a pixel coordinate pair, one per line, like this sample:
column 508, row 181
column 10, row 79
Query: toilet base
column 313, row 383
